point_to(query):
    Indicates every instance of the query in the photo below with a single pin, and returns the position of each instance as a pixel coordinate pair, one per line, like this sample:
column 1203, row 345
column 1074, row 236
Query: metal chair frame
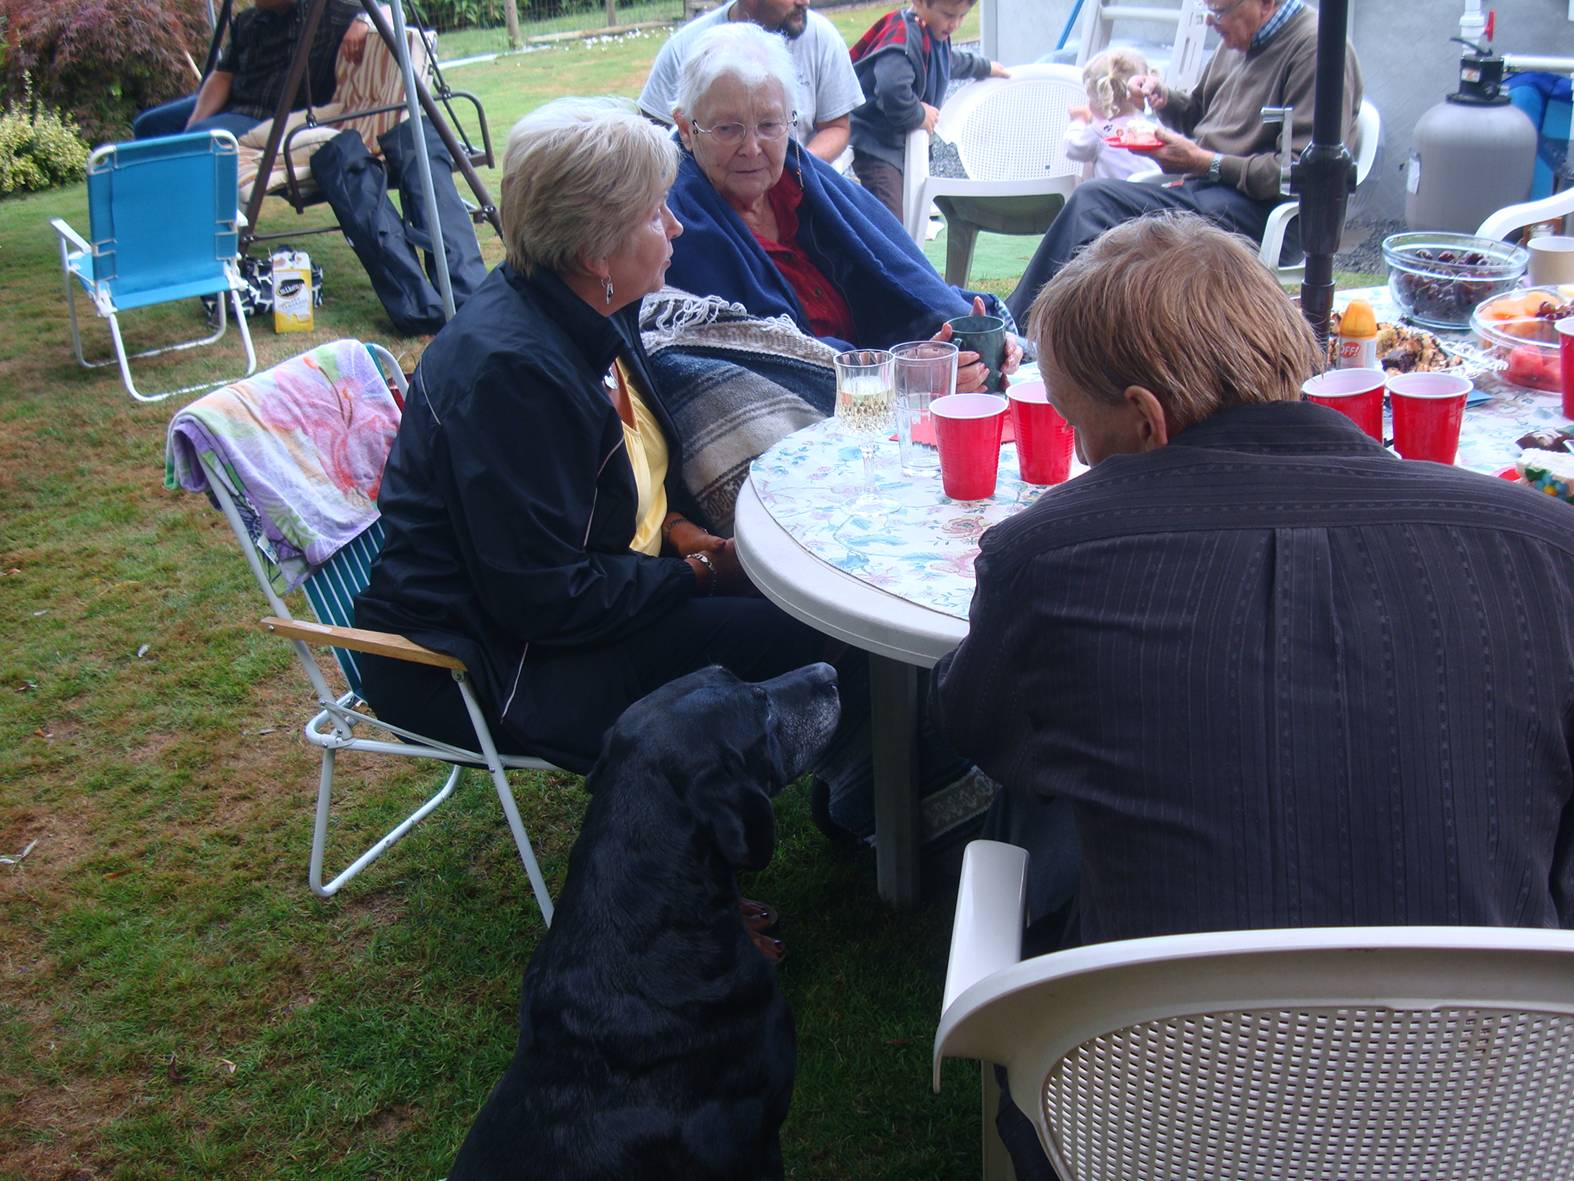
column 331, row 591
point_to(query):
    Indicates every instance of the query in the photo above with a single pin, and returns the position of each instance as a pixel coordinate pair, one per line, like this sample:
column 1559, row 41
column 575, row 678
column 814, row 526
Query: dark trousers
column 1099, row 205
column 389, row 242
column 170, row 119
column 566, row 701
column 883, row 180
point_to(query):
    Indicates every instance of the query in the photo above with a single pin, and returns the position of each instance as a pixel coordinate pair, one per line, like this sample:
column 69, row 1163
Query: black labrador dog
column 653, row 1039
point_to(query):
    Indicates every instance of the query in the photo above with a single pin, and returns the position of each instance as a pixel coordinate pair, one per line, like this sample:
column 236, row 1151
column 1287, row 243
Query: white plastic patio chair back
column 341, row 721
column 1010, row 136
column 1368, row 135
column 163, row 227
column 1379, row 1053
column 1559, row 206
column 1014, row 128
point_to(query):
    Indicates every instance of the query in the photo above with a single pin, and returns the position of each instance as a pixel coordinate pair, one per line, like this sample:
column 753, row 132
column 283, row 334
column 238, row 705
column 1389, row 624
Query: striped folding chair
column 342, row 722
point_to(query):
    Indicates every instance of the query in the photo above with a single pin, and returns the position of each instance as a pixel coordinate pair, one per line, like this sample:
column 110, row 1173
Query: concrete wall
column 1407, row 60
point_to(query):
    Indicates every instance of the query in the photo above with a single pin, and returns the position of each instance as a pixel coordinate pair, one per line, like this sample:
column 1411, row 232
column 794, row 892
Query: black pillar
column 1325, row 173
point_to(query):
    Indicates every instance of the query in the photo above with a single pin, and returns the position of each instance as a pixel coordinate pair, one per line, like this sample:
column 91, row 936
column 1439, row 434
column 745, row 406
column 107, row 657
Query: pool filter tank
column 1471, row 154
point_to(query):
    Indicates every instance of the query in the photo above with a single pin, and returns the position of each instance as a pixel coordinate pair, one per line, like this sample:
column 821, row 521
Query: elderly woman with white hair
column 536, row 525
column 770, row 226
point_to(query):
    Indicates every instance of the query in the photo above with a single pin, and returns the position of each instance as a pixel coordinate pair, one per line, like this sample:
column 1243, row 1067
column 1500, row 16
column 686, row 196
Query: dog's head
column 726, row 746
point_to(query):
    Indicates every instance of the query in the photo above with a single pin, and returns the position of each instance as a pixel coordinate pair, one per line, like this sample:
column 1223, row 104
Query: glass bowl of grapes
column 1438, row 278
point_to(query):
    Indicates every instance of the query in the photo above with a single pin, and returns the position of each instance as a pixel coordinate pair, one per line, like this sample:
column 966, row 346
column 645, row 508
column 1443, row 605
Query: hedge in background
column 38, row 150
column 102, row 61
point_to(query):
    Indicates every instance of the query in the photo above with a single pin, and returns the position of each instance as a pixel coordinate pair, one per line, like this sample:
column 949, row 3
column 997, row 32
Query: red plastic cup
column 1044, row 439
column 1428, row 408
column 1566, row 351
column 1355, row 393
column 967, row 433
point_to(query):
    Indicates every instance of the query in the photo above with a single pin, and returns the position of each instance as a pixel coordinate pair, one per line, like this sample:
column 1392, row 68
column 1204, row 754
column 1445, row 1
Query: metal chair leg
column 505, row 796
column 386, row 842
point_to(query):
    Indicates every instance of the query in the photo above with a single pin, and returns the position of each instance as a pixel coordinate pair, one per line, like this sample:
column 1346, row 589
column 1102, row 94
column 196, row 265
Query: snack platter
column 1403, row 349
column 1505, row 419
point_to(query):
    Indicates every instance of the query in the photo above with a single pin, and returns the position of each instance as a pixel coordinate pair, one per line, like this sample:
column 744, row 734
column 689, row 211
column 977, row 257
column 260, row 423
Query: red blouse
column 822, row 301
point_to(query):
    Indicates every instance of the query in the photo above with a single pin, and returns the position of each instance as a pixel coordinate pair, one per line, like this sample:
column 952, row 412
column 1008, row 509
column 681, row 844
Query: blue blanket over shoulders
column 893, row 290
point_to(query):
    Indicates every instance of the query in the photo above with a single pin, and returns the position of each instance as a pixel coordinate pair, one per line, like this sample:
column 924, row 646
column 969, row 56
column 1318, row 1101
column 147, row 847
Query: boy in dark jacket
column 905, row 63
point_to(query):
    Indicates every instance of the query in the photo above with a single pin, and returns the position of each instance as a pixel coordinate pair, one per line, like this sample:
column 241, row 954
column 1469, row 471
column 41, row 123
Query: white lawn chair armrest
column 986, row 934
column 915, row 173
column 67, row 234
column 357, row 639
column 1514, row 217
column 1274, row 231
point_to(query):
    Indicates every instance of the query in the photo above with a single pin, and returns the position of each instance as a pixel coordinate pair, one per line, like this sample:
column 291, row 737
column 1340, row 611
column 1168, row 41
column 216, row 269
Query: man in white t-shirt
column 828, row 88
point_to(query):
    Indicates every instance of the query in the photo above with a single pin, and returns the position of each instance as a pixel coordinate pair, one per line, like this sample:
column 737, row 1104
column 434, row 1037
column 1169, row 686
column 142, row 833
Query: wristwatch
column 1215, row 168
column 703, row 559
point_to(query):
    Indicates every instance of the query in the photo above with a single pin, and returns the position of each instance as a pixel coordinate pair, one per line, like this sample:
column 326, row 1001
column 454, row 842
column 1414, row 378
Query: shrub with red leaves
column 102, row 61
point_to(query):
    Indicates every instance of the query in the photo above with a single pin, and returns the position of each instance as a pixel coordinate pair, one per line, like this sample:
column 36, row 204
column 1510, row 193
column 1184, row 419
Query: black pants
column 567, row 700
column 1099, row 205
column 882, row 180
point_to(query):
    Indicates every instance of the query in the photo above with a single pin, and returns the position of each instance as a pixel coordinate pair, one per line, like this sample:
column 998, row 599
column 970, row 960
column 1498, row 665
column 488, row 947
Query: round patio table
column 898, row 586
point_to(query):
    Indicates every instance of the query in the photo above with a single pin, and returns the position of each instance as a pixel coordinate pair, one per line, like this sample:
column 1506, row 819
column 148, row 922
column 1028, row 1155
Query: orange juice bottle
column 1357, row 337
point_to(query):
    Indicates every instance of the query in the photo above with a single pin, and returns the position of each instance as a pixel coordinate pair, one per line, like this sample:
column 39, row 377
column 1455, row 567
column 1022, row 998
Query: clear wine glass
column 865, row 396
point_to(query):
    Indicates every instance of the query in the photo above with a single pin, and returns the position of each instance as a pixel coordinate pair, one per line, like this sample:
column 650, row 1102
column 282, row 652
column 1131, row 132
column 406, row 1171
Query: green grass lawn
column 174, row 1003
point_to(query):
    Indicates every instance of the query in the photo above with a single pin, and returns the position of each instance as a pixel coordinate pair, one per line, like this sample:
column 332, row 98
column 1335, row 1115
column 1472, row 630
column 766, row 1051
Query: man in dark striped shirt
column 1282, row 677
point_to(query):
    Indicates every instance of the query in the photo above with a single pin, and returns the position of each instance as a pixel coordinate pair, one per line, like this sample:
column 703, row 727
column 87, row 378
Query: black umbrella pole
column 1325, row 173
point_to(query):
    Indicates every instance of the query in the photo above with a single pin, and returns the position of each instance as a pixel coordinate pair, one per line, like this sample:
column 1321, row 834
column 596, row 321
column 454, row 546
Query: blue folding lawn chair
column 163, row 216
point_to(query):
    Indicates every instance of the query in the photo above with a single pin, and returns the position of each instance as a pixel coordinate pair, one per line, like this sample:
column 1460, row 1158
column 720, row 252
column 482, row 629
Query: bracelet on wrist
column 704, row 560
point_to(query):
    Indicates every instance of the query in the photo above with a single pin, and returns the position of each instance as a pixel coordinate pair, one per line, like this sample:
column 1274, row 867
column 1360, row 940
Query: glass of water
column 865, row 396
column 925, row 370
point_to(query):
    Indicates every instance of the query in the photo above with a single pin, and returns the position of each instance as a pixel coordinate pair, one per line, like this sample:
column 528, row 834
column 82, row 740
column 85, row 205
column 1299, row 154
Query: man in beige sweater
column 1213, row 136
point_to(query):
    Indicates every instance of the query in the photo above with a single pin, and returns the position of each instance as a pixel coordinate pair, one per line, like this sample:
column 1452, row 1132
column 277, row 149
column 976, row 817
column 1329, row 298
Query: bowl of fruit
column 1437, row 278
column 1521, row 327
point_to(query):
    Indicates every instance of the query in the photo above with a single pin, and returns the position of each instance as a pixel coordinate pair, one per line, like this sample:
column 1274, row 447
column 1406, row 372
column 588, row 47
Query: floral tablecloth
column 923, row 552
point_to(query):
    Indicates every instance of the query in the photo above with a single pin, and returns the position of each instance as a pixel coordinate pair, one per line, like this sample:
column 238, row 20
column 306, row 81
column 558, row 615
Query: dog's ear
column 743, row 823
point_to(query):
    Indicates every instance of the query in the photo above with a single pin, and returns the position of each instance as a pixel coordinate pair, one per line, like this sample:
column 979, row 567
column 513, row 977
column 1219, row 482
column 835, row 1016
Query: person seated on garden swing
column 245, row 86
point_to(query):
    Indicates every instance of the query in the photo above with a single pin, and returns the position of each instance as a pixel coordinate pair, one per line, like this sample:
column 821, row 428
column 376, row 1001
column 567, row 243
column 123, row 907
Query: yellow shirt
column 647, row 450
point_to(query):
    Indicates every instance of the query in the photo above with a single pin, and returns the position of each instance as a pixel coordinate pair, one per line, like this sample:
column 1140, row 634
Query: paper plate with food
column 1136, row 136
column 1402, row 349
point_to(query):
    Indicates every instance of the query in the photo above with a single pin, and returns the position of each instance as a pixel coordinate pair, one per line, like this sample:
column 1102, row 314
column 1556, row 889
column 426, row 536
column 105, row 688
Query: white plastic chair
column 1383, row 1053
column 331, row 592
column 1516, row 217
column 1009, row 133
column 1368, row 134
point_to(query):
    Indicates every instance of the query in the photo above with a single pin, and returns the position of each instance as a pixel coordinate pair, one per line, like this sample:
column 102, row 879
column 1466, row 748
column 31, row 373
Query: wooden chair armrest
column 360, row 640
